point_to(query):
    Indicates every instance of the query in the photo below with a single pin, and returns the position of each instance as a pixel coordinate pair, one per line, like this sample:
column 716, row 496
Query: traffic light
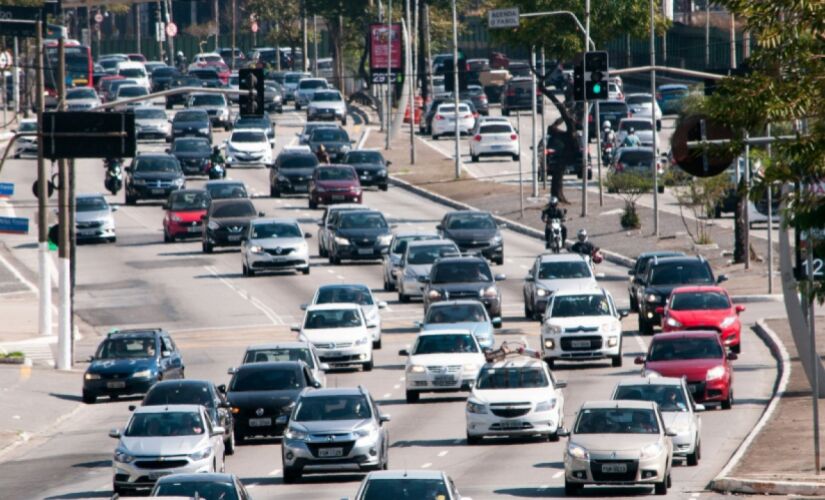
column 251, row 98
column 463, row 74
column 595, row 75
column 578, row 82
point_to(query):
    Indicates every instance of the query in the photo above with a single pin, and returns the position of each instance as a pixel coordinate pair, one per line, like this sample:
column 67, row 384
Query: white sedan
column 442, row 361
column 361, row 295
column 339, row 334
column 274, row 245
column 445, row 117
column 495, row 139
column 248, row 147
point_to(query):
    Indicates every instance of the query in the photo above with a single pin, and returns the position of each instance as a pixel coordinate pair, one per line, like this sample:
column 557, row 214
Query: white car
column 360, row 295
column 163, row 440
column 417, row 260
column 642, row 127
column 486, row 120
column 640, row 105
column 445, row 117
column 582, row 325
column 134, row 70
column 205, row 58
column 515, row 395
column 274, row 245
column 248, row 147
column 441, row 361
column 26, row 146
column 495, row 139
column 339, row 333
column 82, row 99
column 306, row 88
column 614, row 92
column 128, row 92
column 327, row 105
column 95, row 219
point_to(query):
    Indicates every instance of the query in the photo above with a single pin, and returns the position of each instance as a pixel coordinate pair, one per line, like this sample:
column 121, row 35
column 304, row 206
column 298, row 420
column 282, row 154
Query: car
column 102, row 85
column 152, row 123
column 184, row 210
column 335, row 140
column 515, row 394
column 130, row 92
column 109, row 62
column 306, row 89
column 487, row 120
column 441, row 361
column 642, row 127
column 291, row 80
column 225, row 189
column 416, row 261
column 636, row 161
column 699, row 357
column 640, row 105
column 274, row 245
column 495, row 139
column 263, row 123
column 328, row 222
column 379, row 485
column 137, row 58
column 194, row 155
column 515, row 96
column 359, row 235
column 671, row 97
column 130, row 362
column 334, row 184
column 335, row 429
column 26, row 146
column 192, row 122
column 634, row 288
column 426, row 121
column 664, row 274
column 560, row 151
column 398, row 245
column 179, row 81
column 134, row 70
column 582, row 326
column 614, row 92
column 306, row 131
column 215, row 105
column 273, row 97
column 339, row 334
column 475, row 94
column 327, row 104
column 618, row 443
column 206, row 58
column 704, row 308
column 152, row 176
column 114, row 86
column 262, row 396
column 474, row 232
column 203, row 485
column 678, row 409
column 291, row 173
column 463, row 314
column 195, row 392
column 209, row 77
column 248, row 147
column 551, row 273
column 94, row 219
column 354, row 294
column 287, row 351
column 612, row 110
column 445, row 117
column 370, row 166
column 162, row 77
column 226, row 222
column 230, row 55
column 82, row 99
column 453, row 278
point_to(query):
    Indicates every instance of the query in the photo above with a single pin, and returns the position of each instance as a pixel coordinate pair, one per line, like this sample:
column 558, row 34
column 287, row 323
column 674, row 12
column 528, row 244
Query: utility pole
column 543, row 126
column 171, row 40
column 520, row 175
column 770, row 218
column 305, row 44
column 455, row 93
column 137, row 28
column 745, row 214
column 159, row 29
column 410, row 78
column 814, row 355
column 732, row 41
column 234, row 28
column 15, row 79
column 428, row 52
column 585, row 124
column 653, row 118
column 44, row 270
column 707, row 34
column 217, row 23
column 64, row 312
column 315, row 45
column 389, row 75
column 533, row 112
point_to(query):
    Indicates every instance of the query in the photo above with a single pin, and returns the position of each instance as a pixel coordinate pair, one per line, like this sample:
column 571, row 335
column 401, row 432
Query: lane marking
column 427, row 465
column 266, row 310
column 443, row 452
column 274, row 472
column 387, row 395
column 396, row 386
column 456, row 441
column 558, row 474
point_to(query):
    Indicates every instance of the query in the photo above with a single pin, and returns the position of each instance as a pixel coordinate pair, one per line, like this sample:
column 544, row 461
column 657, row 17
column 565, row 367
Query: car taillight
column 513, row 137
column 477, row 138
column 548, row 152
column 538, row 91
column 658, row 96
column 475, row 115
column 483, row 98
column 590, row 118
column 439, row 117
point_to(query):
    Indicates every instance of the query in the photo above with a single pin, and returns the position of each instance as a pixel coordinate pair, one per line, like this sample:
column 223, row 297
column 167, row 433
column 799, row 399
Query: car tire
column 728, row 403
column 344, row 122
column 435, row 137
column 291, row 474
column 693, row 458
column 207, row 248
column 499, row 261
column 528, row 314
column 120, row 491
column 403, row 298
column 384, row 187
column 238, row 436
column 474, row 158
column 130, row 200
column 167, row 238
column 474, row 440
column 736, row 349
column 505, row 112
column 616, row 361
column 322, row 252
column 312, row 204
column 305, row 271
column 645, row 327
column 367, row 367
column 661, row 188
column 517, row 158
column 412, row 397
column 334, row 260
column 551, row 363
column 169, row 105
column 376, row 344
column 634, row 307
column 661, row 488
column 297, row 106
column 89, row 398
column 571, row 489
column 273, row 192
column 553, row 437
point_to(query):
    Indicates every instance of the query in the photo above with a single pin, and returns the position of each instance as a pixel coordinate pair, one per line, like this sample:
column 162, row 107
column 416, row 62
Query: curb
column 724, row 484
column 749, row 299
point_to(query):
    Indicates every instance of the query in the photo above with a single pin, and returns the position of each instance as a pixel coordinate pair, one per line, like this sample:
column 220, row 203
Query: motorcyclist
column 550, row 212
column 323, row 156
column 585, row 247
column 608, row 136
column 216, row 157
column 631, row 140
column 180, row 60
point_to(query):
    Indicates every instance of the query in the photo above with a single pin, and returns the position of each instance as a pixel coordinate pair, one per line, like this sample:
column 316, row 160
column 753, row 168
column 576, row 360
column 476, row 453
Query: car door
column 385, row 434
column 318, row 373
column 530, row 284
column 216, row 440
column 332, row 226
column 175, row 361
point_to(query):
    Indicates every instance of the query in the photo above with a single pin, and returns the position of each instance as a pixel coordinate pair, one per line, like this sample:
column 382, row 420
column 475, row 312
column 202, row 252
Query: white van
column 135, row 71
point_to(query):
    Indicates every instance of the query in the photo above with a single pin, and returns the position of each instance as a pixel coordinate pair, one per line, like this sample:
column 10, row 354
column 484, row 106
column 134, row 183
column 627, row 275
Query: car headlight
column 434, row 295
column 356, row 189
column 577, row 451
column 728, row 321
column 416, row 369
column 553, row 329
column 142, row 373
column 715, row 373
column 204, row 130
column 541, row 292
column 385, row 239
column 490, row 292
column 341, row 241
column 293, row 433
column 652, row 297
column 608, row 326
column 651, row 450
column 381, row 173
column 320, row 189
column 175, row 218
column 612, row 341
column 496, row 239
column 549, row 344
column 673, row 322
column 470, row 367
column 123, row 457
column 213, row 225
column 476, row 407
column 651, row 373
column 200, row 455
column 365, row 431
column 179, row 182
column 546, row 405
column 256, row 249
column 344, row 148
column 91, row 376
column 362, row 341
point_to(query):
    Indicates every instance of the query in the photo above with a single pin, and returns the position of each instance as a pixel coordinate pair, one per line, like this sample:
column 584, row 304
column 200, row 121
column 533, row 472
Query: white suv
column 339, row 334
column 442, row 361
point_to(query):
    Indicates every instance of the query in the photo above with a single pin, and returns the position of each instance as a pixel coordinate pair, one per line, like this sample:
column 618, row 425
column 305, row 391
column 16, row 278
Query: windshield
column 191, row 146
column 336, row 174
column 643, row 158
column 356, row 157
column 326, row 96
column 638, row 100
column 444, row 344
column 275, row 379
column 212, row 490
column 141, row 347
column 617, row 421
column 86, row 93
column 345, row 294
column 677, row 274
column 234, row 210
column 522, row 377
column 28, row 126
column 131, row 91
column 298, row 161
column 280, row 354
column 399, row 244
column 636, row 124
column 183, row 201
column 248, row 137
column 132, row 72
column 150, row 114
column 333, row 318
column 456, row 313
column 687, row 301
column 405, row 489
column 462, row 272
column 355, row 407
column 430, row 253
column 91, row 204
column 471, row 221
column 208, row 100
column 564, row 270
column 686, row 348
column 174, row 394
column 363, row 220
column 191, row 116
column 669, row 397
column 163, row 71
column 165, row 424
column 276, row 230
column 164, row 165
column 613, row 107
column 329, row 135
column 233, row 190
column 293, row 77
column 312, row 84
column 260, row 123
column 580, row 305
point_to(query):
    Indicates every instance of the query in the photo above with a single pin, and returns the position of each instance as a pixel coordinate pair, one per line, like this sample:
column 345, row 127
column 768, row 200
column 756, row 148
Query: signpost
column 98, row 18
column 503, row 18
column 19, row 21
column 6, row 60
column 14, row 225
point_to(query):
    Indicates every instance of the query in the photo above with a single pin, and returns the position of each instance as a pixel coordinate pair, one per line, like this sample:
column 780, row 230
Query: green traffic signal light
column 597, row 88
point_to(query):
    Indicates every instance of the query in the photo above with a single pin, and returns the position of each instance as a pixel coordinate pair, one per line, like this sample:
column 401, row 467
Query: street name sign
column 503, row 18
column 14, row 225
column 6, row 189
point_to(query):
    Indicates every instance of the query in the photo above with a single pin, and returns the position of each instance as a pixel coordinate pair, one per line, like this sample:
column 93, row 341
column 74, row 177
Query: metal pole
column 520, row 176
column 43, row 264
column 137, row 28
column 315, row 45
column 389, row 76
column 585, row 124
column 305, row 40
column 770, row 220
column 745, row 214
column 170, row 40
column 543, row 125
column 15, row 79
column 429, row 48
column 234, row 28
column 732, row 41
column 414, row 38
column 533, row 116
column 410, row 76
column 64, row 315
column 455, row 93
column 72, row 257
column 814, row 354
column 218, row 25
column 707, row 34
column 599, row 155
column 653, row 118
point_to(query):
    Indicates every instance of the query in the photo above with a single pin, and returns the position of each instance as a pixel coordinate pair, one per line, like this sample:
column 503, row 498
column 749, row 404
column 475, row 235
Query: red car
column 221, row 68
column 184, row 211
column 703, row 308
column 334, row 184
column 700, row 357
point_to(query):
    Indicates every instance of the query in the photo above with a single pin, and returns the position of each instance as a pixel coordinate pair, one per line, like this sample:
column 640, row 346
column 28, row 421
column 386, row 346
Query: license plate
column 193, row 229
column 580, row 343
column 158, row 191
column 445, row 380
column 234, row 237
column 260, row 422
column 497, row 147
column 116, row 385
column 158, row 475
column 365, row 251
column 301, row 188
column 511, row 424
column 330, row 452
column 614, row 468
column 335, row 354
column 365, row 177
column 338, row 198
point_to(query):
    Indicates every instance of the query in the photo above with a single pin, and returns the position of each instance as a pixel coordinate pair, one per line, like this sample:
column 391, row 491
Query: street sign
column 812, row 240
column 503, row 18
column 381, row 78
column 14, row 225
column 6, row 189
column 171, row 30
column 98, row 18
column 72, row 134
column 693, row 160
column 12, row 17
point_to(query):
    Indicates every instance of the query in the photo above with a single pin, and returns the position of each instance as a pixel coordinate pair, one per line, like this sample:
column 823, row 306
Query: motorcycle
column 607, row 153
column 114, row 176
column 217, row 171
column 554, row 242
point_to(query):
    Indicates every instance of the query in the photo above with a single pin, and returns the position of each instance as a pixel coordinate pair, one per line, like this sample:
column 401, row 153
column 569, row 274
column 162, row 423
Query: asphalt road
column 213, row 313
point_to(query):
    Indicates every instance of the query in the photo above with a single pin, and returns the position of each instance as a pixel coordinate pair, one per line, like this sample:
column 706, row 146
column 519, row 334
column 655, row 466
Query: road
column 213, row 313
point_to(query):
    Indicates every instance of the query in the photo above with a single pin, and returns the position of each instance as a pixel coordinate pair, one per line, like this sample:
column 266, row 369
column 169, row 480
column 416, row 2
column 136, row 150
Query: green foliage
column 630, row 217
column 630, row 187
column 701, row 196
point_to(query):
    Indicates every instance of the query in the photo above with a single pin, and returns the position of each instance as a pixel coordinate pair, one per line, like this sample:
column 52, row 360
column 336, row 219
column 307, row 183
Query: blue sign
column 14, row 225
column 6, row 189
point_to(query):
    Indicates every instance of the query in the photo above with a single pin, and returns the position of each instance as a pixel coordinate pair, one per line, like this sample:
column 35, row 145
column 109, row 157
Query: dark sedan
column 262, row 396
column 476, row 95
column 335, row 141
column 152, row 176
column 474, row 232
column 359, row 235
column 226, row 222
column 181, row 81
column 208, row 77
column 291, row 173
column 194, row 154
column 456, row 278
column 162, row 77
column 370, row 166
column 192, row 122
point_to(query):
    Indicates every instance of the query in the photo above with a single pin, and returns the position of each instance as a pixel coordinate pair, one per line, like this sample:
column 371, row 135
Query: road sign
column 14, row 225
column 171, row 30
column 6, row 60
column 6, row 189
column 693, row 160
column 71, row 134
column 98, row 18
column 503, row 18
column 381, row 78
column 11, row 14
column 254, row 26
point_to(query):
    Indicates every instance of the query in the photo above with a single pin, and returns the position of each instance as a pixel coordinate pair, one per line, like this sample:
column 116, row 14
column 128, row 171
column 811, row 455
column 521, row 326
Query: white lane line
column 427, row 465
column 251, row 486
column 387, row 395
column 19, row 276
column 402, row 379
column 640, row 342
column 694, row 495
column 330, row 271
column 274, row 472
column 340, row 277
column 509, row 261
column 396, row 386
column 558, row 474
column 523, row 266
column 268, row 312
column 364, row 137
column 443, row 452
column 544, row 487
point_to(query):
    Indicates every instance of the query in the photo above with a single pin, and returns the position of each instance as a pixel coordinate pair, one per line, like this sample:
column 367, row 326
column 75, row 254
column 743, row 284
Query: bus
column 79, row 65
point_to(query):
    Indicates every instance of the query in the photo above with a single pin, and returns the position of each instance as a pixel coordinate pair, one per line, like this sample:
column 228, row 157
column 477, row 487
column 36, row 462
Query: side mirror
column 316, row 384
column 295, row 328
column 560, row 384
column 732, row 356
column 91, row 358
column 128, row 169
column 563, row 432
column 670, row 433
column 384, row 418
column 231, row 370
column 222, row 388
column 203, row 217
column 261, row 214
column 496, row 322
column 639, row 360
column 740, row 308
column 623, row 313
column 167, row 150
column 660, row 310
column 115, row 208
column 403, row 352
column 304, row 307
column 722, row 278
column 165, row 206
column 699, row 407
column 307, row 235
column 132, row 407
column 423, row 279
column 418, row 324
column 439, row 227
column 389, row 163
column 218, row 431
column 165, row 354
column 501, row 277
column 630, row 272
column 382, row 305
column 114, row 433
column 529, row 278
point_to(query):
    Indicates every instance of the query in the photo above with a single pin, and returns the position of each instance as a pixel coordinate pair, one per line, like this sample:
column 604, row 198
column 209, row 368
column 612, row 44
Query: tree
column 701, row 196
column 287, row 15
column 630, row 187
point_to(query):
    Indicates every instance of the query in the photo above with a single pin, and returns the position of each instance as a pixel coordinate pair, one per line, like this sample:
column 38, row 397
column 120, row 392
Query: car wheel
column 89, row 398
column 553, row 437
column 435, row 137
column 550, row 362
column 376, row 344
column 297, row 107
column 305, row 271
column 571, row 489
column 244, row 270
column 273, row 192
column 616, row 361
column 728, row 403
column 168, row 105
column 344, row 122
column 130, row 200
column 412, row 397
column 528, row 314
column 238, row 437
column 121, row 491
column 291, row 474
column 403, row 298
column 499, row 260
column 474, row 158
column 517, row 158
column 645, row 328
column 384, row 187
column 207, row 247
column 693, row 458
column 474, row 440
column 367, row 367
column 249, row 272
column 736, row 349
column 505, row 112
column 312, row 205
column 335, row 260
column 634, row 307
column 322, row 252
column 167, row 238
column 661, row 488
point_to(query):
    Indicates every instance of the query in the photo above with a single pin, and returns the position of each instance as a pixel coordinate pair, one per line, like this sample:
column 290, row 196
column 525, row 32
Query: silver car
column 335, row 430
column 327, row 105
column 618, row 443
column 464, row 314
column 163, row 440
column 417, row 261
column 274, row 245
column 678, row 409
column 82, row 99
column 398, row 246
column 152, row 123
column 551, row 273
column 287, row 351
column 305, row 90
column 291, row 80
column 26, row 146
column 94, row 220
column 406, row 484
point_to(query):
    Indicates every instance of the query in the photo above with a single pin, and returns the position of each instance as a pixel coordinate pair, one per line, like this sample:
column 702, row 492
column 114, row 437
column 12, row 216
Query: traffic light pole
column 45, row 283
column 585, row 125
column 653, row 118
column 64, row 309
column 533, row 152
column 456, row 90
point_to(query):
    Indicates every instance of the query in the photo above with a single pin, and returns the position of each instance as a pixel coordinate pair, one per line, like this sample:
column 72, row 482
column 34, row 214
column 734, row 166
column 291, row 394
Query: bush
column 630, row 217
column 629, row 187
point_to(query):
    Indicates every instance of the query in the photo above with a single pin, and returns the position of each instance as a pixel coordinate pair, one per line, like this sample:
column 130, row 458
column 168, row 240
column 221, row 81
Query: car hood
column 327, row 105
column 191, row 155
column 462, row 287
column 334, row 335
column 335, row 145
column 700, row 317
column 249, row 146
column 467, row 235
column 113, row 366
column 446, row 359
column 477, row 329
column 336, row 184
column 277, row 242
column 332, row 426
column 98, row 215
column 188, row 215
column 512, row 395
column 151, row 123
column 298, row 172
column 614, row 442
column 367, row 167
column 164, row 176
column 573, row 284
column 369, row 234
column 232, row 221
column 580, row 321
column 163, row 446
column 192, row 124
column 270, row 399
column 86, row 102
column 694, row 369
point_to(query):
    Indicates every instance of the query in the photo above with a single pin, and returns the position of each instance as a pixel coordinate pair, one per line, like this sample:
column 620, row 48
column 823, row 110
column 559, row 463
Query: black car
column 476, row 95
column 456, row 278
column 131, row 362
column 561, row 150
column 226, row 222
column 162, row 77
column 634, row 288
column 303, row 135
column 192, row 122
column 262, row 396
column 662, row 276
column 263, row 122
column 475, row 232
column 201, row 485
column 335, row 141
column 194, row 155
column 518, row 94
column 208, row 77
column 291, row 172
column 371, row 167
column 181, row 81
column 195, row 392
column 225, row 188
column 153, row 176
column 359, row 234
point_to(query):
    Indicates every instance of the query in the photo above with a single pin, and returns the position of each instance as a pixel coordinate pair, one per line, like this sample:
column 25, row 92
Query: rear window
column 191, row 116
column 132, row 91
column 496, row 129
column 636, row 157
column 612, row 107
column 312, row 84
column 132, row 72
column 234, row 210
column 673, row 92
column 299, row 161
column 681, row 273
column 637, row 125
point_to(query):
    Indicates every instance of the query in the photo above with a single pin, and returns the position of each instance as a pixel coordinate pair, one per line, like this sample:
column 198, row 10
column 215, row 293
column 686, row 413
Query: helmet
column 180, row 53
column 554, row 201
column 582, row 235
column 631, row 130
column 607, row 124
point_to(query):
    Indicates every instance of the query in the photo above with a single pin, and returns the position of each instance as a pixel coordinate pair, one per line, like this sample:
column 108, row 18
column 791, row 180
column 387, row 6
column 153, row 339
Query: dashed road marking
column 387, row 395
column 396, row 386
column 266, row 310
column 443, row 452
column 274, row 472
column 427, row 465
column 558, row 474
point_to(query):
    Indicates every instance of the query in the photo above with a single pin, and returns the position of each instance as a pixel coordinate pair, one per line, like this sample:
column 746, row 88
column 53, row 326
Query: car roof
column 201, row 477
column 405, row 474
column 229, row 201
column 429, row 242
column 660, row 253
column 222, row 182
column 561, row 257
column 591, row 291
column 676, row 259
column 452, row 303
column 673, row 86
column 406, row 234
column 649, row 381
column 619, row 403
column 332, row 306
column 344, row 285
column 445, row 331
column 181, row 382
column 135, row 332
column 151, row 154
column 89, row 195
column 166, row 408
column 466, row 212
column 463, row 258
column 516, row 362
column 279, row 345
column 347, row 206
